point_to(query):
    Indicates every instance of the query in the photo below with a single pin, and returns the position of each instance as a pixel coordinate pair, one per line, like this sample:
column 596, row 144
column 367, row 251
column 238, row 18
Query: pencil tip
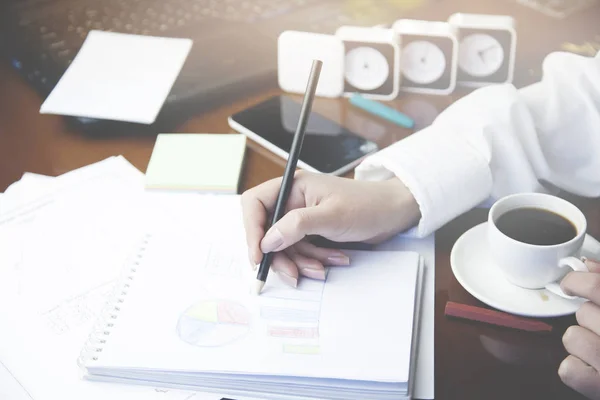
column 258, row 286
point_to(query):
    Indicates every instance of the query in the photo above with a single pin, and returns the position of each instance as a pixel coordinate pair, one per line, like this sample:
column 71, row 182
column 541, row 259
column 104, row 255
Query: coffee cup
column 536, row 239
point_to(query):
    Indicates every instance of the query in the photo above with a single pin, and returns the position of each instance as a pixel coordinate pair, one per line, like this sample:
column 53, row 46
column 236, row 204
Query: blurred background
column 232, row 64
column 234, row 48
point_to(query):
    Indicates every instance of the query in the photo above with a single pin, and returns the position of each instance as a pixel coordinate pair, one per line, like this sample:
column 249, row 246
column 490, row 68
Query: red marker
column 495, row 317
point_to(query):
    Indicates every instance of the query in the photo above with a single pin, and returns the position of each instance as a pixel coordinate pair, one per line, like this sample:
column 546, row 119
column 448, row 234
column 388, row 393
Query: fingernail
column 562, row 369
column 339, row 259
column 314, row 273
column 288, row 279
column 272, row 241
column 590, row 263
column 251, row 260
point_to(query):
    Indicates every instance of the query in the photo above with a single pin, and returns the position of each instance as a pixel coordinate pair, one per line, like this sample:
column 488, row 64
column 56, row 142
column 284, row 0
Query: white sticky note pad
column 119, row 77
column 295, row 54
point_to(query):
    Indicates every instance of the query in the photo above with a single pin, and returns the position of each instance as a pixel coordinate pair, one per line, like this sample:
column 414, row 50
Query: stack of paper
column 63, row 244
column 186, row 318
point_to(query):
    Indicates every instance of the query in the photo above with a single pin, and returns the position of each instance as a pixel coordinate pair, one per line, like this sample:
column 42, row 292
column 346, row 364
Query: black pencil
column 290, row 167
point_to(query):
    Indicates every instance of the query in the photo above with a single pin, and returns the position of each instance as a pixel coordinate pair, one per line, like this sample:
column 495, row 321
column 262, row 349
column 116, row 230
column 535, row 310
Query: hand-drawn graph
column 74, row 312
column 292, row 316
column 213, row 323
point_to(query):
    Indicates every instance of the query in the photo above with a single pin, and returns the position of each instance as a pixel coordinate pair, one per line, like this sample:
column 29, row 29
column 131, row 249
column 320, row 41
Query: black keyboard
column 157, row 17
column 143, row 17
column 56, row 30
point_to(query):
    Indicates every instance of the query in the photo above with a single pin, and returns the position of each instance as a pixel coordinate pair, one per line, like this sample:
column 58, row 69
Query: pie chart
column 213, row 323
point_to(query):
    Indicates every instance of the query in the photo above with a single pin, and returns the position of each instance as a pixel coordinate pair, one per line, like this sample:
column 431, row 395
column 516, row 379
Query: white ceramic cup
column 536, row 266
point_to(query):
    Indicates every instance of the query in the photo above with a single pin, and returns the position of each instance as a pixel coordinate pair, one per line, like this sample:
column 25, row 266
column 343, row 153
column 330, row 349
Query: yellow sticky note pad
column 196, row 162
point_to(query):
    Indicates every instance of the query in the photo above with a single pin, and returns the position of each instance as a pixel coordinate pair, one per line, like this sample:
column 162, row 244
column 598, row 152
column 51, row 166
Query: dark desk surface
column 472, row 361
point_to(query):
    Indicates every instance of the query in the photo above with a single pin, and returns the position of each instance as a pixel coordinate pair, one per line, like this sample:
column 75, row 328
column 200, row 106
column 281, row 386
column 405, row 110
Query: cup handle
column 576, row 265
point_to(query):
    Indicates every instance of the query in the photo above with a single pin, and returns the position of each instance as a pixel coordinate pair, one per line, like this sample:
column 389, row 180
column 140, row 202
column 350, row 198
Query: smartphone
column 328, row 147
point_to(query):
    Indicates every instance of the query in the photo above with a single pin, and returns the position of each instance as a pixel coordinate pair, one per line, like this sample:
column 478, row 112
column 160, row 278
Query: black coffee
column 536, row 226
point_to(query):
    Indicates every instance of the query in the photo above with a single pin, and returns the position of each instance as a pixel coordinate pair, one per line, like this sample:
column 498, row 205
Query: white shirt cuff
column 444, row 174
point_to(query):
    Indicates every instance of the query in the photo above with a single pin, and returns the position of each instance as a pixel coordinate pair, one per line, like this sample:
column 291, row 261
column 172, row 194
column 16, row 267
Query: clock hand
column 489, row 48
column 424, row 58
column 481, row 53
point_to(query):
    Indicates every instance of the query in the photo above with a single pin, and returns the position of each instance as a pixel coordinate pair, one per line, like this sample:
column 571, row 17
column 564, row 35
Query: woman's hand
column 338, row 209
column 580, row 370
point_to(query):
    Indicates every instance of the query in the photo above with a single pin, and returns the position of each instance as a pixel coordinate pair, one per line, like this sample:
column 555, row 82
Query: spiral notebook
column 184, row 317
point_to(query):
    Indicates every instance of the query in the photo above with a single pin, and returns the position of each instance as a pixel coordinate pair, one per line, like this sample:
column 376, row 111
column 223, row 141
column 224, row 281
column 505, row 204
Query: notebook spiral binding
column 110, row 313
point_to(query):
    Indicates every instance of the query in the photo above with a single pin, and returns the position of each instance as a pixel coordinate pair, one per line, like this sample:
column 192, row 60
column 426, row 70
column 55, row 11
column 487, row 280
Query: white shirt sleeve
column 499, row 140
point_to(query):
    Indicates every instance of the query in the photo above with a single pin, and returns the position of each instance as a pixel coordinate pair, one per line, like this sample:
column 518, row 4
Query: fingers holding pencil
column 290, row 168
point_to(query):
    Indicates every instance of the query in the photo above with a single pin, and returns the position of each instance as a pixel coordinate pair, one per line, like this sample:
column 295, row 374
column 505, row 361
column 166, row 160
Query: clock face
column 480, row 55
column 423, row 62
column 366, row 68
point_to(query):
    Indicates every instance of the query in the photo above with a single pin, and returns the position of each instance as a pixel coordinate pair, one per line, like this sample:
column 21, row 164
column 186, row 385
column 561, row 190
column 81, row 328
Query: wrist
column 404, row 206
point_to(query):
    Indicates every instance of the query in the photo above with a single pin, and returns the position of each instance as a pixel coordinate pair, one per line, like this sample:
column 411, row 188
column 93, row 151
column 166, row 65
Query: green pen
column 383, row 111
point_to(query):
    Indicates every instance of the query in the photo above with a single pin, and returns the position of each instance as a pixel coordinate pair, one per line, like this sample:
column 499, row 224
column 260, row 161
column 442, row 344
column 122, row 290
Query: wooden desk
column 472, row 361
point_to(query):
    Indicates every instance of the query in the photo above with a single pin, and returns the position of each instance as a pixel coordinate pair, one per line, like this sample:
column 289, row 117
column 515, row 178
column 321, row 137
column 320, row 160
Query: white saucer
column 477, row 273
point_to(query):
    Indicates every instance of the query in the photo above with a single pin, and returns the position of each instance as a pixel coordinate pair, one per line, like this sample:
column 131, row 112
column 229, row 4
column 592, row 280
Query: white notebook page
column 189, row 309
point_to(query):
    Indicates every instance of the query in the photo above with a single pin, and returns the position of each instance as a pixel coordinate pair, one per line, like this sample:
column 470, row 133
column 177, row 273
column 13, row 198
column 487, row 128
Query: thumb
column 295, row 225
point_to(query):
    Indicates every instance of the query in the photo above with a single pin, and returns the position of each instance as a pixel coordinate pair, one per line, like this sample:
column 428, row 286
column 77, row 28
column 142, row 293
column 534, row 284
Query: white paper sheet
column 118, row 76
column 47, row 306
column 10, row 387
column 28, row 188
column 425, row 375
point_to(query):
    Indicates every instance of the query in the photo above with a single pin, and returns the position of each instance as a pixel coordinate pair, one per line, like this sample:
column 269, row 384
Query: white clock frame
column 369, row 36
column 405, row 28
column 295, row 54
column 483, row 23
